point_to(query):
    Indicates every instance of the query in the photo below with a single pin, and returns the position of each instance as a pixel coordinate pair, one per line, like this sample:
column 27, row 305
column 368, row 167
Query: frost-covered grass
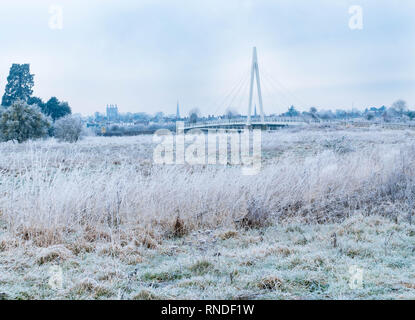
column 123, row 227
column 287, row 261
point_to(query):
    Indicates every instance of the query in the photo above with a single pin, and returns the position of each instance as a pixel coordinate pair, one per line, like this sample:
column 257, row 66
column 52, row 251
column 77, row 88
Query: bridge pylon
column 255, row 74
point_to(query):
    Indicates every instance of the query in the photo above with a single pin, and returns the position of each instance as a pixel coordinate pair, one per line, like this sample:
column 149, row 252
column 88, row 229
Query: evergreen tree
column 56, row 109
column 19, row 84
column 21, row 122
column 292, row 112
column 37, row 101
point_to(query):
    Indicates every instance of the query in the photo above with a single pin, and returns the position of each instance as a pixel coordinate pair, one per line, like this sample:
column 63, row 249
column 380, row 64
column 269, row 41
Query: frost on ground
column 101, row 220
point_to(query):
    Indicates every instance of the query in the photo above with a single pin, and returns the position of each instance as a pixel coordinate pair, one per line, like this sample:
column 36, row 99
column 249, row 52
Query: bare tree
column 194, row 114
column 68, row 128
column 231, row 113
column 400, row 106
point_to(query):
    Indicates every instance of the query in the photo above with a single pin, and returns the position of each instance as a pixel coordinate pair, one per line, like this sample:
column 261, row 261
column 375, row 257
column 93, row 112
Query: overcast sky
column 144, row 55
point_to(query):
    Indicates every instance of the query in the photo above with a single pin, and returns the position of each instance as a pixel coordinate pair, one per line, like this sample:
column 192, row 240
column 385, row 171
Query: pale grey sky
column 144, row 55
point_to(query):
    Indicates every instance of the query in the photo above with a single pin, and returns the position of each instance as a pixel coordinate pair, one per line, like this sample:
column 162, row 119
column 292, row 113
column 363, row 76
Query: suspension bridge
column 249, row 122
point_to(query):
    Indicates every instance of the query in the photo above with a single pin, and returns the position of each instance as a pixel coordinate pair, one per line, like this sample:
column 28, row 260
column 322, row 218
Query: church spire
column 178, row 111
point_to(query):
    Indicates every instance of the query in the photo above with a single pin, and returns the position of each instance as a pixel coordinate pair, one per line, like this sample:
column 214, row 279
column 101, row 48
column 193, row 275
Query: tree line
column 24, row 116
column 397, row 111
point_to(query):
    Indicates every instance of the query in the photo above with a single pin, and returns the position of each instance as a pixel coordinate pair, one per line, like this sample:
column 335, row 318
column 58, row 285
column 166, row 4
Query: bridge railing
column 244, row 120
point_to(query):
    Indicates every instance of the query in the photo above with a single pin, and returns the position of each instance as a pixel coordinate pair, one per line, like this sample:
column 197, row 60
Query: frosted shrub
column 339, row 145
column 68, row 128
column 21, row 122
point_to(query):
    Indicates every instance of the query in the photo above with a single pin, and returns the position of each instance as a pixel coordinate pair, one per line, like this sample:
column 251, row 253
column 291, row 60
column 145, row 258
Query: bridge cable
column 238, row 94
column 231, row 93
column 281, row 96
column 273, row 88
column 279, row 84
column 244, row 97
column 280, row 88
column 225, row 97
column 221, row 97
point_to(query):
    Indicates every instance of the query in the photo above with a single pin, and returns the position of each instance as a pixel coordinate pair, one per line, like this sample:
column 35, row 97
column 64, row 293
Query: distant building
column 112, row 112
column 98, row 117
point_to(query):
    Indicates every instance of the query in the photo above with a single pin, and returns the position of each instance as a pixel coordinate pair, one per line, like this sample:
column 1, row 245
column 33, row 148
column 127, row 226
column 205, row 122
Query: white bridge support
column 238, row 125
column 255, row 74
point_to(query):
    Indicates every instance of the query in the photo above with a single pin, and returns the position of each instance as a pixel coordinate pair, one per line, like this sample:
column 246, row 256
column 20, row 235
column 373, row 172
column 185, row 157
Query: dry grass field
column 113, row 225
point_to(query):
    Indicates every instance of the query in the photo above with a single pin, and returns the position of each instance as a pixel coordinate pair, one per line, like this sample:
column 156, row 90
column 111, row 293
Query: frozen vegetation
column 118, row 226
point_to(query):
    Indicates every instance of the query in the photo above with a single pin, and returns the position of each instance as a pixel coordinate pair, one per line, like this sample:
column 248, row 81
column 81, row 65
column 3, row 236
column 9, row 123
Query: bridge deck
column 239, row 125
